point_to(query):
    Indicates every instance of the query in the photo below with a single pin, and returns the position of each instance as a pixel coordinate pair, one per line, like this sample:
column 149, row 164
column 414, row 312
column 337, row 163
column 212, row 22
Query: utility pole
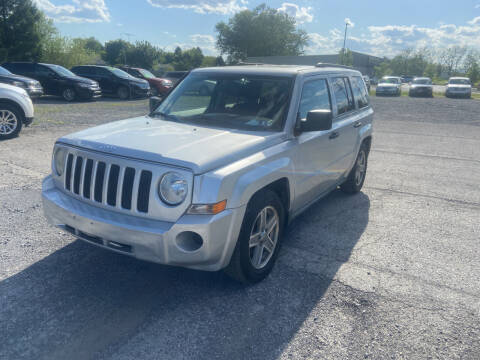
column 344, row 43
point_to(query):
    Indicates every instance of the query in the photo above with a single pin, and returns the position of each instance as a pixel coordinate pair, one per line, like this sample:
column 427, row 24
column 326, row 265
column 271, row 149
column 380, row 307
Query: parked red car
column 158, row 86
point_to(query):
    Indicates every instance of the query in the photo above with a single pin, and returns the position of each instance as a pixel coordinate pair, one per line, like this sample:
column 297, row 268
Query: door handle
column 334, row 135
column 357, row 124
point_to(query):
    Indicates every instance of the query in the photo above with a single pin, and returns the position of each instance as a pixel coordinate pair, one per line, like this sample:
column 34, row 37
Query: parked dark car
column 158, row 86
column 175, row 76
column 114, row 81
column 56, row 80
column 31, row 86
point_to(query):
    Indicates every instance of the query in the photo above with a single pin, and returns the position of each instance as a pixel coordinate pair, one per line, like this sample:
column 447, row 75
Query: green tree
column 144, row 55
column 472, row 67
column 185, row 59
column 92, row 44
column 23, row 28
column 260, row 32
column 116, row 52
column 430, row 71
column 67, row 52
column 345, row 57
column 383, row 69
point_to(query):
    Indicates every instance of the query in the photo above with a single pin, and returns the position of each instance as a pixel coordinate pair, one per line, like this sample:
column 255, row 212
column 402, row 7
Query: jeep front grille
column 109, row 184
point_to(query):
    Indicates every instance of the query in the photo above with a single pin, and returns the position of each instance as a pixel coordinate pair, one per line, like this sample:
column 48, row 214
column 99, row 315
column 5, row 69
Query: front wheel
column 259, row 240
column 356, row 178
column 10, row 121
column 123, row 93
column 69, row 94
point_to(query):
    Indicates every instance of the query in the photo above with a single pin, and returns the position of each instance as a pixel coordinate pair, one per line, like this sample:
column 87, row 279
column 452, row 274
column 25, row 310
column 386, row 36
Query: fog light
column 189, row 241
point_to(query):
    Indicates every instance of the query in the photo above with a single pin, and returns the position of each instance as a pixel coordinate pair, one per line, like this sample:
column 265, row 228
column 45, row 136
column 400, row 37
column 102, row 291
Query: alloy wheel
column 8, row 122
column 360, row 168
column 264, row 237
column 68, row 94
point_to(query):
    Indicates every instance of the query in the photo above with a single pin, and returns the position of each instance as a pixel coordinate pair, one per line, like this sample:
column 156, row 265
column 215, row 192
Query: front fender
column 238, row 181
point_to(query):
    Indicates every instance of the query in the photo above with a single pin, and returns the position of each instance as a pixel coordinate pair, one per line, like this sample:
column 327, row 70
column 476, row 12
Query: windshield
column 459, row 81
column 4, row 71
column 120, row 73
column 60, row 70
column 147, row 74
column 234, row 102
column 422, row 81
column 390, row 81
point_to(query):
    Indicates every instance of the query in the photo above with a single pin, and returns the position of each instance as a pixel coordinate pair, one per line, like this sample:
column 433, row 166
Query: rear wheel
column 10, row 121
column 69, row 94
column 356, row 178
column 259, row 240
column 123, row 93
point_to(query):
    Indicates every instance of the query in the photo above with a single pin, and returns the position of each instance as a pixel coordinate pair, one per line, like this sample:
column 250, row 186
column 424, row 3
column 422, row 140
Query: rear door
column 314, row 157
column 343, row 137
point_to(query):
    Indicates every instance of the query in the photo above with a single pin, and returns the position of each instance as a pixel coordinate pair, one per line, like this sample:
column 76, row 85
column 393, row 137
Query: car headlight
column 18, row 83
column 173, row 188
column 59, row 160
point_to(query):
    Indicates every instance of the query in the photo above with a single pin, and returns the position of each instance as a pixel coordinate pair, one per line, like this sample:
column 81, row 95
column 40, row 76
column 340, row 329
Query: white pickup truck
column 210, row 180
column 16, row 109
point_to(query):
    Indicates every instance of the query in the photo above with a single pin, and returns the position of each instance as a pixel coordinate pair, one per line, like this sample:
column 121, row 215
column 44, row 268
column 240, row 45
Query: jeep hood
column 200, row 149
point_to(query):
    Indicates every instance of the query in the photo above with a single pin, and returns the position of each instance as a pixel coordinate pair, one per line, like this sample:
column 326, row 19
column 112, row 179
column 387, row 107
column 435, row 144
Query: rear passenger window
column 360, row 92
column 343, row 95
column 315, row 96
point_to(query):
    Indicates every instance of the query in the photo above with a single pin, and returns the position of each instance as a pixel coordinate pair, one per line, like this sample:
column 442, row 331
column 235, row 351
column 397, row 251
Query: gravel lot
column 391, row 273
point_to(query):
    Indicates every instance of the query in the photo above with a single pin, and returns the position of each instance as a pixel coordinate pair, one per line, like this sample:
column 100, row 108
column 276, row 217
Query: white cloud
column 389, row 40
column 349, row 22
column 77, row 11
column 223, row 7
column 205, row 42
column 300, row 14
column 475, row 21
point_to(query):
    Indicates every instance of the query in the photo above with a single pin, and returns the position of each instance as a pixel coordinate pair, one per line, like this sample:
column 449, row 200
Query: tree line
column 26, row 34
column 435, row 64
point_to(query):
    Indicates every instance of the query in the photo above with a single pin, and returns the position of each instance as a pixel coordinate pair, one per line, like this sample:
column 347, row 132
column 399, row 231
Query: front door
column 49, row 79
column 314, row 157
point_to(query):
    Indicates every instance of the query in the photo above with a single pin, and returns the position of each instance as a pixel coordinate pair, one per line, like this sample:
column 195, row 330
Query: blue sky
column 377, row 27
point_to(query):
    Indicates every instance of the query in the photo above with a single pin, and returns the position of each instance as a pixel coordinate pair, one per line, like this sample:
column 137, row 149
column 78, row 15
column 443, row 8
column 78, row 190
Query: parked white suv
column 459, row 87
column 209, row 181
column 16, row 109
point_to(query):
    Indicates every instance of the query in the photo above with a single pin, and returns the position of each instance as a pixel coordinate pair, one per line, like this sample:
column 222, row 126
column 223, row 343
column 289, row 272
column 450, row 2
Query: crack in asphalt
column 456, row 201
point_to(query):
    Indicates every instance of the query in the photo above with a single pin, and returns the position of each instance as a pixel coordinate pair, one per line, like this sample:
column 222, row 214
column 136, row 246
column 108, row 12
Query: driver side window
column 315, row 96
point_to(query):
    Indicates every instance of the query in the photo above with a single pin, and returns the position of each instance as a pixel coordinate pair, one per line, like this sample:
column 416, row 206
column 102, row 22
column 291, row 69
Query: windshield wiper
column 167, row 116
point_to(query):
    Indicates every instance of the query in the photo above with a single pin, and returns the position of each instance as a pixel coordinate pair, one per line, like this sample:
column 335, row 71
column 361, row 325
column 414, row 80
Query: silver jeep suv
column 210, row 181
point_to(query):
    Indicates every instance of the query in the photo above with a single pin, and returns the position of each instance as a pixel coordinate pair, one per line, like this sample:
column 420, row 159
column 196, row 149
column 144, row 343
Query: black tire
column 7, row 121
column 123, row 93
column 241, row 267
column 353, row 184
column 69, row 94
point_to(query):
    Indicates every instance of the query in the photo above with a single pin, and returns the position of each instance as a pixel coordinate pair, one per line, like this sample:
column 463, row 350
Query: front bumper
column 146, row 239
column 140, row 92
column 34, row 92
column 457, row 93
column 387, row 91
column 89, row 93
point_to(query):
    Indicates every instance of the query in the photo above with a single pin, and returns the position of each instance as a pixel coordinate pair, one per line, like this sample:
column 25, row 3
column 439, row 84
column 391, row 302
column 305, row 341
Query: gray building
column 363, row 62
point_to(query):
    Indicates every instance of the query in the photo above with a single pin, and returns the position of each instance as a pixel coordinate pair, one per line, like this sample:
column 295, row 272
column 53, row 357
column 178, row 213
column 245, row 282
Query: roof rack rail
column 333, row 65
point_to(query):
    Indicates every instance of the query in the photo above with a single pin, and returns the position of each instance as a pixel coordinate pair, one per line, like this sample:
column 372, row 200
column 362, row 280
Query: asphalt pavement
column 390, row 273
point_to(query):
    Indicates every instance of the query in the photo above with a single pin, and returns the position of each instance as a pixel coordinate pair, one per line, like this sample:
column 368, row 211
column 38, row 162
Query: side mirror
column 317, row 120
column 154, row 102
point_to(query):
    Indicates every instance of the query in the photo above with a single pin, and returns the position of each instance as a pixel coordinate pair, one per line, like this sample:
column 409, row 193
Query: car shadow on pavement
column 84, row 302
